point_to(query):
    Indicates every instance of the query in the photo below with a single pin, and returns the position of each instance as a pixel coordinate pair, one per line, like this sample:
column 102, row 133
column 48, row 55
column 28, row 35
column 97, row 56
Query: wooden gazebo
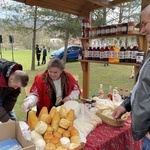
column 81, row 8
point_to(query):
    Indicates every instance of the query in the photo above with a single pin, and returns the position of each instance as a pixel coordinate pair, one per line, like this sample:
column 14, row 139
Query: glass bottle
column 134, row 51
column 121, row 92
column 80, row 56
column 102, row 54
column 101, row 92
column 111, row 54
column 90, row 53
column 106, row 53
column 128, row 54
column 116, row 51
column 131, row 27
column 126, row 94
column 124, row 28
column 122, row 54
column 86, row 50
column 119, row 30
column 110, row 93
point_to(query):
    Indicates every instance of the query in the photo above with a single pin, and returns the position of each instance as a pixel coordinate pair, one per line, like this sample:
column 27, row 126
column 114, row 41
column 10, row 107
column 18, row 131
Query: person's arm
column 8, row 102
column 122, row 109
column 72, row 96
column 127, row 104
column 32, row 97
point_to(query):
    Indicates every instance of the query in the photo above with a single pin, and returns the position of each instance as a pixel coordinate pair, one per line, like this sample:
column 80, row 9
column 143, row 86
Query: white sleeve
column 74, row 94
column 29, row 102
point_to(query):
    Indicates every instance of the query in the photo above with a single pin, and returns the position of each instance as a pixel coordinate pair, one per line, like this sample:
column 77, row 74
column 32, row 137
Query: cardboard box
column 12, row 130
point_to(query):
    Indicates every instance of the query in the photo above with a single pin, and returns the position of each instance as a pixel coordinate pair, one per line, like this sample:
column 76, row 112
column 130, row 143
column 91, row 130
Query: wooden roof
column 81, row 8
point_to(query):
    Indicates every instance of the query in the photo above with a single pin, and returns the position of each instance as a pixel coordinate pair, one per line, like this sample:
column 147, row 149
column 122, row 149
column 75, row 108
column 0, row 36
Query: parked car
column 72, row 52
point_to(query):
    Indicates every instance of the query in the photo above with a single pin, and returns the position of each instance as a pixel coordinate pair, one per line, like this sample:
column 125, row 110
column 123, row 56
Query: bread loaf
column 66, row 133
column 50, row 146
column 70, row 116
column 73, row 146
column 44, row 110
column 48, row 135
column 35, row 136
column 55, row 121
column 63, row 111
column 32, row 120
column 57, row 134
column 65, row 141
column 49, row 129
column 61, row 130
column 64, row 123
column 46, row 118
column 61, row 148
column 55, row 140
column 41, row 127
column 75, row 139
column 74, row 131
column 40, row 144
column 52, row 111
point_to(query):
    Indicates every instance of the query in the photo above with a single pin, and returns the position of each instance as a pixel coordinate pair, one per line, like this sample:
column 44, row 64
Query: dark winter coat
column 8, row 96
column 140, row 109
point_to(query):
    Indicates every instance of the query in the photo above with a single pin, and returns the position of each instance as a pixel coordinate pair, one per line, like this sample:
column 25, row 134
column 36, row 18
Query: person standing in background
column 44, row 52
column 38, row 54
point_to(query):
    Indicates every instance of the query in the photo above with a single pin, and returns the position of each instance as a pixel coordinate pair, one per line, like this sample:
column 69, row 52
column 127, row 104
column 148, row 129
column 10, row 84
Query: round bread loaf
column 41, row 127
column 65, row 141
column 50, row 146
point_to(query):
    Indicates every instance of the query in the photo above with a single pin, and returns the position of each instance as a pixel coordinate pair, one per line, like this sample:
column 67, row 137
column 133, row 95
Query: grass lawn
column 115, row 75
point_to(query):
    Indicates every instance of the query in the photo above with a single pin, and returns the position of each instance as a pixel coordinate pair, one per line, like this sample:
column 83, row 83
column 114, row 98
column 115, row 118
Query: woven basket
column 80, row 147
column 110, row 121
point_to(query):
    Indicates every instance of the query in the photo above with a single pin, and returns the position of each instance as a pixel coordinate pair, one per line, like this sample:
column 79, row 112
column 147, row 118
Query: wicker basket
column 110, row 121
column 80, row 147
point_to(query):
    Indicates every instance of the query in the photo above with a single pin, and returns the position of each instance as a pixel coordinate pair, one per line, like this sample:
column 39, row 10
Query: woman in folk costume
column 52, row 88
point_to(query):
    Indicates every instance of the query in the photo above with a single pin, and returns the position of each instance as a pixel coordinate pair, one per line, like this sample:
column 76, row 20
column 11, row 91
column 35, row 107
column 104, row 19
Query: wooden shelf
column 85, row 64
column 116, row 63
column 112, row 36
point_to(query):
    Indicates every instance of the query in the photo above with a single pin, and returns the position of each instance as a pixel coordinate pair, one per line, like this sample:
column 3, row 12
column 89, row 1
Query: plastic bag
column 116, row 96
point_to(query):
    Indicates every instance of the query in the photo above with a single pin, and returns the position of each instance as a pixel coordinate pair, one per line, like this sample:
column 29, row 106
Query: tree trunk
column 66, row 45
column 34, row 39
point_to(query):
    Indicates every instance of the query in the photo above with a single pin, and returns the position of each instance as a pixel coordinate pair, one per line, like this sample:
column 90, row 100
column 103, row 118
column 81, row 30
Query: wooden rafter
column 81, row 8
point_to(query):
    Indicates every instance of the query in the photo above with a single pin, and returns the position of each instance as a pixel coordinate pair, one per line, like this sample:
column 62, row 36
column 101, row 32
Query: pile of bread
column 54, row 130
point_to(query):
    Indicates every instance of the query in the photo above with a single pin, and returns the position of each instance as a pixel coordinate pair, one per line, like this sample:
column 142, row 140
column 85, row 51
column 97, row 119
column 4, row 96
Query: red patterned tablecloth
column 106, row 137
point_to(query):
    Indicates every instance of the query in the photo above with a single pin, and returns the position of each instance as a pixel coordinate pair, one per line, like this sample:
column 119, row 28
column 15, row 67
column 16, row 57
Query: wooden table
column 106, row 137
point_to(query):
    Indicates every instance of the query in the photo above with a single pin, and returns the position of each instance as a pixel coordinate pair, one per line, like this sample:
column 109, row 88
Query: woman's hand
column 67, row 98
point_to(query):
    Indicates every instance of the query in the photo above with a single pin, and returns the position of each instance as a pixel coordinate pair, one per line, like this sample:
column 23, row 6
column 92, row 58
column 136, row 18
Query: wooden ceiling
column 81, row 8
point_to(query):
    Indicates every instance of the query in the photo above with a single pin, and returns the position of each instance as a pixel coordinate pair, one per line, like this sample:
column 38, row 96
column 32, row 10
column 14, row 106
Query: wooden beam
column 103, row 3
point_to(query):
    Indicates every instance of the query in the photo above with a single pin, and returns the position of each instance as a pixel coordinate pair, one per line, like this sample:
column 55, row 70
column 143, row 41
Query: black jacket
column 8, row 96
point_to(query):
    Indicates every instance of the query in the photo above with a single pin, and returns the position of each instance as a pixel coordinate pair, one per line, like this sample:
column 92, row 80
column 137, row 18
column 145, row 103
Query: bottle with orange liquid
column 116, row 53
column 111, row 54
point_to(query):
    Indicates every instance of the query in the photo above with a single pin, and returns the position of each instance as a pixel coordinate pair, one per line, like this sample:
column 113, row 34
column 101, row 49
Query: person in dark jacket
column 139, row 101
column 44, row 52
column 12, row 78
column 38, row 54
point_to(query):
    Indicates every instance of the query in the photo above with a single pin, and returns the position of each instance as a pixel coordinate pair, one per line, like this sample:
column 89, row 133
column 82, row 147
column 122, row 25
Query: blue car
column 72, row 52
